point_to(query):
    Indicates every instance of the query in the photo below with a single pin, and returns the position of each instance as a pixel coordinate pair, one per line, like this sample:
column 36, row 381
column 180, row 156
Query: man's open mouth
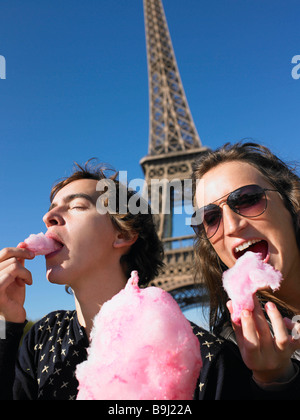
column 255, row 245
column 58, row 242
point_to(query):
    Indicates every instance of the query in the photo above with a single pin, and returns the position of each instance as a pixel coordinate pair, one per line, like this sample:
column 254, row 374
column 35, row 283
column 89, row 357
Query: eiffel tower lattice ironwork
column 173, row 145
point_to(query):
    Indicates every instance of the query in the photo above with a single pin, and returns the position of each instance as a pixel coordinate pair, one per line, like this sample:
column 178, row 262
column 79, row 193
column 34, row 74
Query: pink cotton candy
column 142, row 348
column 242, row 281
column 41, row 244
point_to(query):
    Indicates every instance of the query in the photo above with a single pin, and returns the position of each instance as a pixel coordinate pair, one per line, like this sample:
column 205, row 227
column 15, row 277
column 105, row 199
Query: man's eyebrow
column 72, row 197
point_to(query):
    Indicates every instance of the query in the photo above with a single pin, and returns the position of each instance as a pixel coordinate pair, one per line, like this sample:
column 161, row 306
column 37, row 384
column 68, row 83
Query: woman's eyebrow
column 72, row 197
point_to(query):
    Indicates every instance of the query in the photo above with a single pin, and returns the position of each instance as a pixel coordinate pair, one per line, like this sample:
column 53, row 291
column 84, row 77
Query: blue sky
column 76, row 87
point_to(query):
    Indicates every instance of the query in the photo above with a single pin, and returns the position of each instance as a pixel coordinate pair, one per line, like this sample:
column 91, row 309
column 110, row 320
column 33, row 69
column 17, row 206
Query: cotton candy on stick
column 142, row 348
column 40, row 244
column 245, row 278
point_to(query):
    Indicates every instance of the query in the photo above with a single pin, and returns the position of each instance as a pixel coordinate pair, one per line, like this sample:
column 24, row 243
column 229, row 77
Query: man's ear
column 123, row 240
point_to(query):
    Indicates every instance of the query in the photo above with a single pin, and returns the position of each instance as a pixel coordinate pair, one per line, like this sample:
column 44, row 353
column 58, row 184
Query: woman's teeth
column 246, row 245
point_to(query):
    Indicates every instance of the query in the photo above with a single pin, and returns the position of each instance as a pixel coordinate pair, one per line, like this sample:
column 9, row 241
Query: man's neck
column 93, row 294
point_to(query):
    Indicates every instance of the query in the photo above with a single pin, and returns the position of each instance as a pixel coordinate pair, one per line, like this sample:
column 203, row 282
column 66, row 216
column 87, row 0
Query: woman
column 250, row 201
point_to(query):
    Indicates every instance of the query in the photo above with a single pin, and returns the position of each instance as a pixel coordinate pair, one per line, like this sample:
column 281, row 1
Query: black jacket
column 43, row 368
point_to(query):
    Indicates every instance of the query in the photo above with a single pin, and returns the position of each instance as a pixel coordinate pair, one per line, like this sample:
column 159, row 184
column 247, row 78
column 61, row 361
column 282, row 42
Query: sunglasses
column 248, row 201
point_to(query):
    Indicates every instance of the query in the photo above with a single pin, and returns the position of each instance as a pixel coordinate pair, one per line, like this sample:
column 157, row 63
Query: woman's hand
column 268, row 357
column 13, row 278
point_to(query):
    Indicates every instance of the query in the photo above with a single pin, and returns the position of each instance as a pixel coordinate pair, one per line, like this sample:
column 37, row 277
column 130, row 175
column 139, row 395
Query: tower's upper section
column 171, row 125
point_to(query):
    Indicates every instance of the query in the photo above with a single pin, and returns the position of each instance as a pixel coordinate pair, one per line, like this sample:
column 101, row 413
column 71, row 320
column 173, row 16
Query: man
column 98, row 251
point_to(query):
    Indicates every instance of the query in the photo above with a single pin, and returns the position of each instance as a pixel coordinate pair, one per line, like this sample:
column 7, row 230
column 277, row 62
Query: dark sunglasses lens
column 249, row 201
column 205, row 221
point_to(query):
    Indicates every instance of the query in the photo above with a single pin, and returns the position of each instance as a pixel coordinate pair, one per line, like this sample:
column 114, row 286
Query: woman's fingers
column 281, row 335
column 267, row 354
column 261, row 323
column 254, row 328
column 246, row 335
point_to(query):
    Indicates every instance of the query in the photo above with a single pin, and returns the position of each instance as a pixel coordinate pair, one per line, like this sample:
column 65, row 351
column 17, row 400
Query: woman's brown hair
column 209, row 267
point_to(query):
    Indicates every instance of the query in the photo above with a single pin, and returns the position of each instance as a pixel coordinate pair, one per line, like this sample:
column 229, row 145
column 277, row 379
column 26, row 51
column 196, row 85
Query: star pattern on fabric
column 58, row 349
column 210, row 346
column 57, row 344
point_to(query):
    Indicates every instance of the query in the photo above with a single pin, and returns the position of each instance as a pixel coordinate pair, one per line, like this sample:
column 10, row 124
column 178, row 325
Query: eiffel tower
column 173, row 145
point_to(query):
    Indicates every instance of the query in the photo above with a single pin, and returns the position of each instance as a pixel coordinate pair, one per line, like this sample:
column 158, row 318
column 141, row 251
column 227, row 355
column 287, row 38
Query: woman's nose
column 233, row 222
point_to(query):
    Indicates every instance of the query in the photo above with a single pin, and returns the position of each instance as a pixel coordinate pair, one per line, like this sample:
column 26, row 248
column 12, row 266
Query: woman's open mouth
column 255, row 245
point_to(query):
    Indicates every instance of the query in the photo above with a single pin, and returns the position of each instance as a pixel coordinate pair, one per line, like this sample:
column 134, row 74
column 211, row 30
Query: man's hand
column 13, row 279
